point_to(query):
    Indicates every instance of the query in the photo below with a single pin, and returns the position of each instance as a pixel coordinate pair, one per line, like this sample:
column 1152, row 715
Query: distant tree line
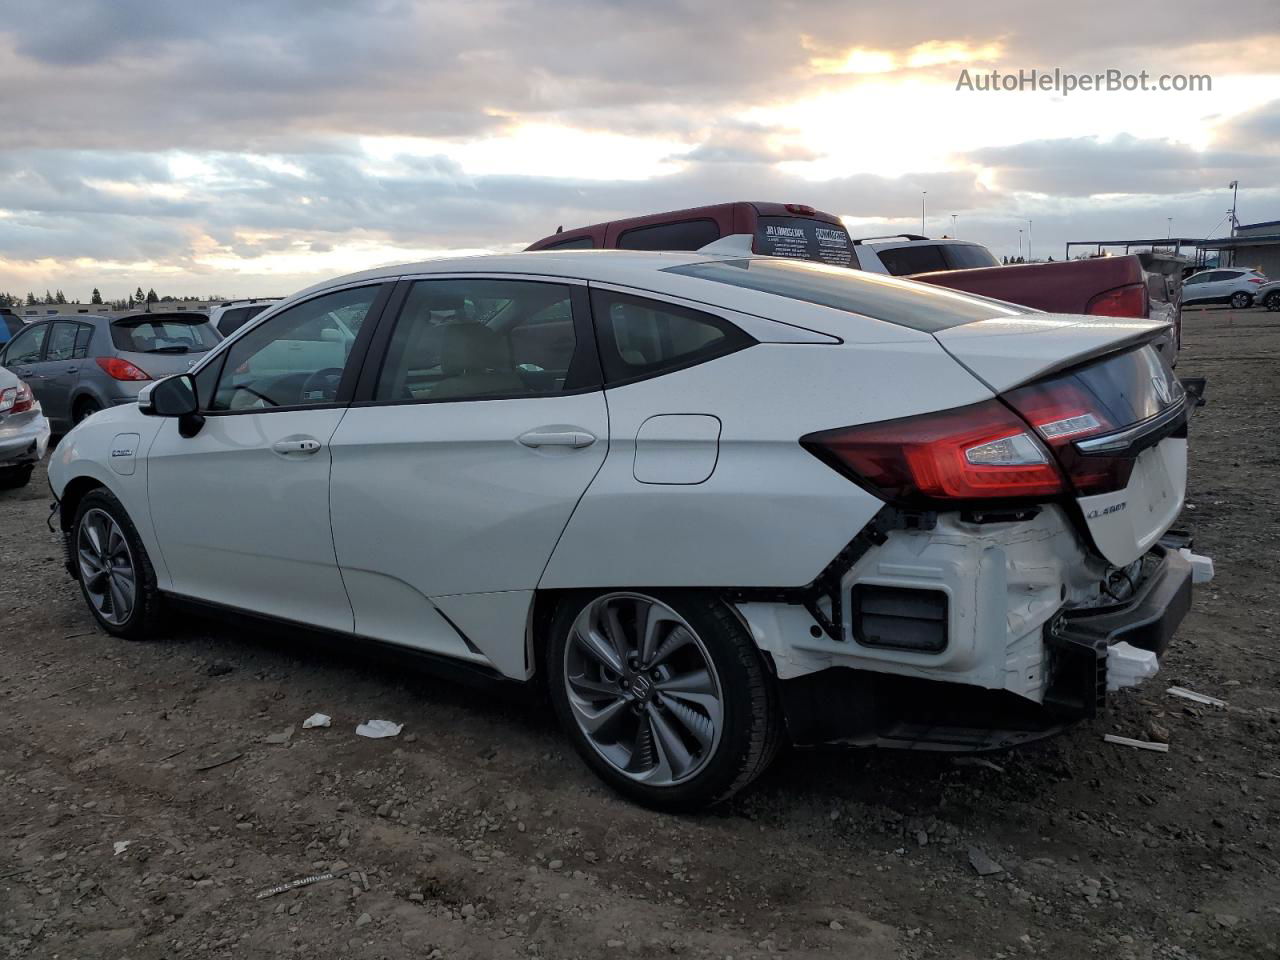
column 57, row 297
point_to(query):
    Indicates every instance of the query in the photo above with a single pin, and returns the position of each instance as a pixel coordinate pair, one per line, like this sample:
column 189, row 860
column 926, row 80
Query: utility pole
column 1028, row 239
column 923, row 197
column 1019, row 243
column 1169, row 235
column 1235, row 186
column 954, row 234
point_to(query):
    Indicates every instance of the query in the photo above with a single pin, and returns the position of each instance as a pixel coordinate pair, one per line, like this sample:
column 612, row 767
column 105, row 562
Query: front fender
column 110, row 449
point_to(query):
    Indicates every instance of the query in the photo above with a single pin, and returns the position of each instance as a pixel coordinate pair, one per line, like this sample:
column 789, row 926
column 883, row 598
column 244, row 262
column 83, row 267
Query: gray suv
column 78, row 365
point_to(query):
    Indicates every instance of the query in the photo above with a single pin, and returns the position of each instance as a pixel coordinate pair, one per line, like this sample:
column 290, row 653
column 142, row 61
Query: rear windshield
column 164, row 334
column 928, row 257
column 916, row 305
column 963, row 256
column 803, row 239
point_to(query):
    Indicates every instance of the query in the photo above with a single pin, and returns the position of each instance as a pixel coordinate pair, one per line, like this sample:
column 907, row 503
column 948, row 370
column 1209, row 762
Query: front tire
column 1240, row 300
column 1273, row 301
column 113, row 569
column 664, row 695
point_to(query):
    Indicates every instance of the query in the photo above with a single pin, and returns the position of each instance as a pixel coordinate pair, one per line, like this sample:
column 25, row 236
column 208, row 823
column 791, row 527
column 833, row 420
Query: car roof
column 603, row 265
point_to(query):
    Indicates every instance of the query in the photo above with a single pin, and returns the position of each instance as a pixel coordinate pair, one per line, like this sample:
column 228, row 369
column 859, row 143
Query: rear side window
column 62, row 342
column 901, row 261
column 686, row 235
column 145, row 334
column 577, row 243
column 640, row 337
column 803, row 239
column 918, row 306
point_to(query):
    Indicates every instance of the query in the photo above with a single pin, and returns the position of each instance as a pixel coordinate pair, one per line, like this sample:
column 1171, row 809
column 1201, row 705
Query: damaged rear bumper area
column 1079, row 641
column 865, row 708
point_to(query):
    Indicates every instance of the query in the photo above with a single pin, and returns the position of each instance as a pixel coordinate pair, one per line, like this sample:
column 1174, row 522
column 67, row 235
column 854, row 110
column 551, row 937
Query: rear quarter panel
column 770, row 514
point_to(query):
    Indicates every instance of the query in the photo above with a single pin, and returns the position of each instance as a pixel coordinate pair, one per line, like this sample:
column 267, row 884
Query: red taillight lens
column 119, row 369
column 17, row 399
column 1257, row 280
column 1062, row 413
column 980, row 452
column 1127, row 301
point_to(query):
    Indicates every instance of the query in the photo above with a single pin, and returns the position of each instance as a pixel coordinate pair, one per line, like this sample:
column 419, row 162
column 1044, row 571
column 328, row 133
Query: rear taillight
column 979, row 452
column 119, row 369
column 17, row 399
column 1257, row 280
column 1126, row 301
column 801, row 208
column 1061, row 414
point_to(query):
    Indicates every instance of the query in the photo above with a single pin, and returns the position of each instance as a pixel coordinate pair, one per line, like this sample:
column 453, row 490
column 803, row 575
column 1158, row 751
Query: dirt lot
column 477, row 833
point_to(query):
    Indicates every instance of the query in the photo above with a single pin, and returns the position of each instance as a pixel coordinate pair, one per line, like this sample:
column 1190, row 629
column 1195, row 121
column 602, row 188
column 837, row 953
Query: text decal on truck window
column 803, row 239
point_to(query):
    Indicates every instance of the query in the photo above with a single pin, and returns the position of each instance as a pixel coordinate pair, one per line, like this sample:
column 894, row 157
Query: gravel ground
column 146, row 802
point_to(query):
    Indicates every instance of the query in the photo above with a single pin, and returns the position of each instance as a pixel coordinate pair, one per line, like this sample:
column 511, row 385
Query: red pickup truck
column 1138, row 285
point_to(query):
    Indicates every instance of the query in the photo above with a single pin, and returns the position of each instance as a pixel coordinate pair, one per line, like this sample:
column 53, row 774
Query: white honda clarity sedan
column 711, row 503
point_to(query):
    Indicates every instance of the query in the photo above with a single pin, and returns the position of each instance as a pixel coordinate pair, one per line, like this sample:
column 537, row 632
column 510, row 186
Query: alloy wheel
column 643, row 689
column 106, row 566
column 1241, row 300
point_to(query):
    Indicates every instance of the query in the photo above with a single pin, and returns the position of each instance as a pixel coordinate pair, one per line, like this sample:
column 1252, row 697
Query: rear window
column 901, row 261
column 145, row 334
column 915, row 305
column 966, row 256
column 803, row 239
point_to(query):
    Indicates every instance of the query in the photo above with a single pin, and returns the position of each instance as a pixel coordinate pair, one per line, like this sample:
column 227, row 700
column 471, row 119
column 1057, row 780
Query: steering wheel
column 321, row 386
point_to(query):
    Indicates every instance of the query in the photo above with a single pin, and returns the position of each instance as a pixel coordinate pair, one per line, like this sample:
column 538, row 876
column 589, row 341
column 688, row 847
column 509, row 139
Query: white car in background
column 1234, row 285
column 712, row 503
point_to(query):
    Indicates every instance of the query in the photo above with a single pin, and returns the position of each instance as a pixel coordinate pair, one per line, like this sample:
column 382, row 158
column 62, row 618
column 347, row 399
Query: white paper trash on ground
column 315, row 720
column 1191, row 695
column 375, row 729
column 1128, row 666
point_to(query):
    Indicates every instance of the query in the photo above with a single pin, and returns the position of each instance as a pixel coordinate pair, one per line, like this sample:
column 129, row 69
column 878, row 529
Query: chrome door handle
column 72, row 369
column 557, row 438
column 304, row 445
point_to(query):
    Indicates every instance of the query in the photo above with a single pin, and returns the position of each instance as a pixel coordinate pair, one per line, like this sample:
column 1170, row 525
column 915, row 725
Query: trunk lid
column 157, row 365
column 1105, row 401
column 1005, row 352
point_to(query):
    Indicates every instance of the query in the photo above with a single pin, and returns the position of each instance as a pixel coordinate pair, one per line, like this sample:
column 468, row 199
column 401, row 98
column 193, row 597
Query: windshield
column 145, row 334
column 905, row 303
column 803, row 239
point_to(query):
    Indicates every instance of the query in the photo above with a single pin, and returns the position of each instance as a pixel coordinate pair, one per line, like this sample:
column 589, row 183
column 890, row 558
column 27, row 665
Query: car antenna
column 560, row 229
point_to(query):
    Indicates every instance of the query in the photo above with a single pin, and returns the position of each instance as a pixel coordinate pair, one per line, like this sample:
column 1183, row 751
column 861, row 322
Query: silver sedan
column 24, row 431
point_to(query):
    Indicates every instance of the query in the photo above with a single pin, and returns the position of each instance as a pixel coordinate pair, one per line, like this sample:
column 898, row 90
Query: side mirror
column 173, row 397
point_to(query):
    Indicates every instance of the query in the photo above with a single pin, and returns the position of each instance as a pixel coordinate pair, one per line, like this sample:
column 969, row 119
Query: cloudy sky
column 246, row 147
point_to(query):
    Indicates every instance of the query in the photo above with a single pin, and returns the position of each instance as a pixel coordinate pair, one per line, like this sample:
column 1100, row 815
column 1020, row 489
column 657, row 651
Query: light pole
column 1169, row 235
column 923, row 199
column 1028, row 239
column 954, row 234
column 1019, row 243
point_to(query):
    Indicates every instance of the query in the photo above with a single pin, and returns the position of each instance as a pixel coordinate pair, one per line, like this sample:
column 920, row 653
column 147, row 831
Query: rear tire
column 11, row 478
column 113, row 569
column 677, row 717
column 1241, row 300
column 85, row 408
column 1273, row 301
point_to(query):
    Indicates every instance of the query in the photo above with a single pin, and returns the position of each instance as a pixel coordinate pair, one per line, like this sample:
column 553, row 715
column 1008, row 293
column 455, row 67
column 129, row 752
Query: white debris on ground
column 376, row 729
column 316, row 720
column 1127, row 666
